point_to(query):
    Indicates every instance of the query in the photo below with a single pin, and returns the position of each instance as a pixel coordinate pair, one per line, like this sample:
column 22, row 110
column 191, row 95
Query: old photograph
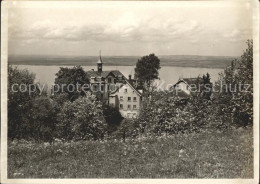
column 129, row 90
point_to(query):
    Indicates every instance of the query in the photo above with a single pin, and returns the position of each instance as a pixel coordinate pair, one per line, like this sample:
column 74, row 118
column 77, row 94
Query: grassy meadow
column 198, row 155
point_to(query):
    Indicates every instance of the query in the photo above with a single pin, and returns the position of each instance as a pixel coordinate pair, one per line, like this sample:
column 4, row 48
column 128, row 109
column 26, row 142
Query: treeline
column 81, row 115
column 67, row 114
column 227, row 104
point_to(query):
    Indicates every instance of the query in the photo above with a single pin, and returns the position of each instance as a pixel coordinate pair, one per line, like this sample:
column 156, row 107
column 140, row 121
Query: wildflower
column 59, row 151
column 182, row 153
column 46, row 144
column 18, row 174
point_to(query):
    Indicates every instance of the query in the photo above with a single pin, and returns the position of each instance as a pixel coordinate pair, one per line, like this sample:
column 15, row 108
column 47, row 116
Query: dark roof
column 104, row 74
column 190, row 81
column 193, row 80
column 131, row 85
column 135, row 84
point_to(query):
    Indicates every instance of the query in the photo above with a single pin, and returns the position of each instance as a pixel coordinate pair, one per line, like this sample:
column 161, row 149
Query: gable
column 129, row 86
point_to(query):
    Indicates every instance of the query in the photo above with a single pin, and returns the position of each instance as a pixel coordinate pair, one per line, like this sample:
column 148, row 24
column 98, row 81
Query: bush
column 113, row 117
column 129, row 128
column 19, row 102
column 68, row 78
column 82, row 119
column 235, row 102
column 43, row 118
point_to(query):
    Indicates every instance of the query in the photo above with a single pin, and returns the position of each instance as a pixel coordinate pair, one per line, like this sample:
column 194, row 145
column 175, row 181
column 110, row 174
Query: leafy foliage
column 167, row 113
column 68, row 78
column 235, row 89
column 43, row 118
column 112, row 116
column 146, row 69
column 82, row 119
column 207, row 86
column 19, row 102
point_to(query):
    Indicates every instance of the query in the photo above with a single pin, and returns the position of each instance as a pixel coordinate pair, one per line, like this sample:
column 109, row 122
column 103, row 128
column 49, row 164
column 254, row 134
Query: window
column 129, row 98
column 121, row 106
column 109, row 80
column 102, row 88
column 134, row 106
column 128, row 106
column 121, row 98
column 134, row 99
column 125, row 90
column 95, row 88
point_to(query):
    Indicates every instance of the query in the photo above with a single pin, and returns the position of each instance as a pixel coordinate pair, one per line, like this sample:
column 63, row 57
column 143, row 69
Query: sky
column 132, row 28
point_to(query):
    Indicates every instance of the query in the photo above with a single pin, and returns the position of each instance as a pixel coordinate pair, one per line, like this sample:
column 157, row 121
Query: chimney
column 130, row 77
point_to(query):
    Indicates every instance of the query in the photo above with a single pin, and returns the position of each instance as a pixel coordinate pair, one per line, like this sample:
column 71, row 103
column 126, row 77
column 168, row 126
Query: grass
column 197, row 155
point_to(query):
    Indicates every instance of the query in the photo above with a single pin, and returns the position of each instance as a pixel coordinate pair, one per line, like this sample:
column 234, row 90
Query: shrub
column 66, row 78
column 112, row 116
column 42, row 117
column 82, row 119
column 19, row 102
column 234, row 88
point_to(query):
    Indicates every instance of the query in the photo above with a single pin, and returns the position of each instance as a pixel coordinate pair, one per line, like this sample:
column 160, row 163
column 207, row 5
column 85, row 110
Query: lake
column 169, row 75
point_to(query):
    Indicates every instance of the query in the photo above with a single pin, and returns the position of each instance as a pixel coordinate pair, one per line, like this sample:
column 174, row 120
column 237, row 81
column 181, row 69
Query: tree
column 243, row 97
column 19, row 101
column 112, row 116
column 43, row 118
column 166, row 113
column 146, row 70
column 235, row 90
column 71, row 81
column 206, row 89
column 81, row 119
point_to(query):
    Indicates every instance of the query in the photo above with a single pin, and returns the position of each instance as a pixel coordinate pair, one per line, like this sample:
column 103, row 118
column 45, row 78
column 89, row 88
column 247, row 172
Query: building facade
column 104, row 82
column 113, row 88
column 127, row 99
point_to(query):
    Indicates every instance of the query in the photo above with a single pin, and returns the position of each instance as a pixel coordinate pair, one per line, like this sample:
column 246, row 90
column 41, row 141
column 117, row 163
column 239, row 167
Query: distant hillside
column 166, row 60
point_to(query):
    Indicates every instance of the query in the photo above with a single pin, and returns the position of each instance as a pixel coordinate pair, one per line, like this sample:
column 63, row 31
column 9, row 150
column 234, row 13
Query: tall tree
column 146, row 70
column 206, row 87
column 243, row 97
column 67, row 80
column 19, row 101
column 235, row 86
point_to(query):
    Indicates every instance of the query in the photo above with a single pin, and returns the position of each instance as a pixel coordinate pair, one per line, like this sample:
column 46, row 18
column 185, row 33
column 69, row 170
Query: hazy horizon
column 121, row 55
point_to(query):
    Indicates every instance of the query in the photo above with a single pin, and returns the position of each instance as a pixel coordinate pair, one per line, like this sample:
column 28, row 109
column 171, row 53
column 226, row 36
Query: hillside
column 166, row 60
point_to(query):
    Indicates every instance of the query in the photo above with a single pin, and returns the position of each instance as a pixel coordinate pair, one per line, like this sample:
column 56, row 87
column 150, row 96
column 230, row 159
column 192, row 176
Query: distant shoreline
column 61, row 65
column 220, row 62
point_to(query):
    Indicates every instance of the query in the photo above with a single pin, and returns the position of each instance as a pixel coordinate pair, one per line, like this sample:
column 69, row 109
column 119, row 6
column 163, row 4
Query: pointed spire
column 100, row 60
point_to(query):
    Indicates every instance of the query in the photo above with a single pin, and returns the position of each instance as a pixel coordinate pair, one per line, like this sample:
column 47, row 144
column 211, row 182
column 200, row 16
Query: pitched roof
column 104, row 74
column 190, row 81
column 129, row 83
column 138, row 92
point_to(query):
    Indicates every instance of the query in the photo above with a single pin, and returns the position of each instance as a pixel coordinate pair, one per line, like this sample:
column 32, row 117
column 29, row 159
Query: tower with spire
column 99, row 63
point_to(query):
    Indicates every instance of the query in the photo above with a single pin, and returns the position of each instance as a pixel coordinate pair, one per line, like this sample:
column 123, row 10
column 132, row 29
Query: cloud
column 237, row 35
column 127, row 27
